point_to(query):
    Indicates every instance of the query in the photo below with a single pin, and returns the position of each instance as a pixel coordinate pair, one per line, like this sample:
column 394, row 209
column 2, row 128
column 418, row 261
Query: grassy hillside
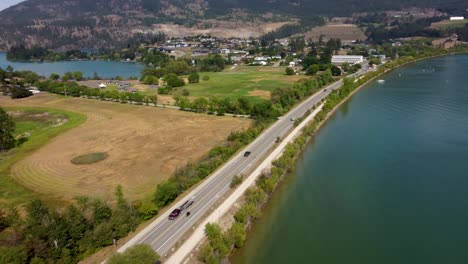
column 104, row 23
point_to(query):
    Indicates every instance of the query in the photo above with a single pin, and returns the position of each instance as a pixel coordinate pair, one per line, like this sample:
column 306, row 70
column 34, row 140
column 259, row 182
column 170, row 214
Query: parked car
column 174, row 214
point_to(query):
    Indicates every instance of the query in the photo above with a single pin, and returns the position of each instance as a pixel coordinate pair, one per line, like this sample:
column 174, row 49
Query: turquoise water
column 385, row 181
column 105, row 69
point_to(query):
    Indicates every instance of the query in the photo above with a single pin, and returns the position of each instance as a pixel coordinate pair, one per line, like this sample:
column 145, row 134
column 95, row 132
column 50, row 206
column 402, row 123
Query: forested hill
column 101, row 23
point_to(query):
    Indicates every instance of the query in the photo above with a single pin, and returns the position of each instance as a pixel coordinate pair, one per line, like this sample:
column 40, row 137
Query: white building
column 225, row 51
column 261, row 58
column 351, row 59
column 457, row 18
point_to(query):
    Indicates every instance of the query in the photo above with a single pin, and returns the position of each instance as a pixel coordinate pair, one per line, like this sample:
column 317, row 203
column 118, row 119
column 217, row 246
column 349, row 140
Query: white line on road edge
column 199, row 232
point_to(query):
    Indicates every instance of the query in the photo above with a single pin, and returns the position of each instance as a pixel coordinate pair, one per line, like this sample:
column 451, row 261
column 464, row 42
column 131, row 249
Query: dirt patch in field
column 166, row 100
column 345, row 32
column 261, row 94
column 145, row 145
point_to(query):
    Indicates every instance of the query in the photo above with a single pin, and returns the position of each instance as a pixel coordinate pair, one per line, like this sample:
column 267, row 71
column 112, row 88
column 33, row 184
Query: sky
column 7, row 3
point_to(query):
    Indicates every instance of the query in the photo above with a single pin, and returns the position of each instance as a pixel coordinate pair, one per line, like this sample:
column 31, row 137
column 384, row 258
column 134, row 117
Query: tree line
column 47, row 235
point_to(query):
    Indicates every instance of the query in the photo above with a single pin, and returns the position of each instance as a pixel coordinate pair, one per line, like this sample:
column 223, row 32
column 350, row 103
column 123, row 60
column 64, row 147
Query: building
column 457, row 18
column 351, row 59
column 225, row 51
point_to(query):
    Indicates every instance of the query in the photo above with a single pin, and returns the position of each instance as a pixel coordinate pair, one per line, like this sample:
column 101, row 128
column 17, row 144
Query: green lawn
column 241, row 81
column 448, row 24
column 40, row 130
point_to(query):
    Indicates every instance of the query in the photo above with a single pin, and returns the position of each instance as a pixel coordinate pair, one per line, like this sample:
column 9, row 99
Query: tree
column 30, row 77
column 151, row 80
column 54, row 77
column 165, row 193
column 19, row 92
column 174, row 81
column 7, row 130
column 238, row 234
column 77, row 75
column 213, row 62
column 158, row 72
column 200, row 104
column 375, row 61
column 313, row 69
column 67, row 76
column 335, row 71
column 194, row 77
column 147, row 210
column 141, row 254
column 178, row 67
column 289, row 71
column 152, row 99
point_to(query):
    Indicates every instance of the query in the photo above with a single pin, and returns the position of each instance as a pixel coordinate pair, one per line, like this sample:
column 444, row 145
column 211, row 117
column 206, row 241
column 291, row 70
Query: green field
column 448, row 24
column 241, row 81
column 38, row 129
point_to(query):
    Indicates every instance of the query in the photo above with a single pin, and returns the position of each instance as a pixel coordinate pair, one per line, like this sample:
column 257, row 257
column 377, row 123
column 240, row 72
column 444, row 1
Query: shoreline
column 321, row 123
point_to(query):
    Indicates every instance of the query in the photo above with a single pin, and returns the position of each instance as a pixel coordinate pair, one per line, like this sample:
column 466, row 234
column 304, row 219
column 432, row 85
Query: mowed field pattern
column 145, row 146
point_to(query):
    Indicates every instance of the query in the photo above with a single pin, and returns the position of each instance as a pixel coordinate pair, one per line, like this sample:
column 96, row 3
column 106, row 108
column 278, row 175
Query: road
column 163, row 233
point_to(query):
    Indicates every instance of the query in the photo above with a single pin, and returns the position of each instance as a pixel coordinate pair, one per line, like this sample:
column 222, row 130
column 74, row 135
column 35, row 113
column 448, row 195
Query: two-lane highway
column 163, row 233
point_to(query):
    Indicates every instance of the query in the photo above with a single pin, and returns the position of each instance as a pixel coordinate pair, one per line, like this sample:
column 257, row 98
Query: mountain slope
column 110, row 23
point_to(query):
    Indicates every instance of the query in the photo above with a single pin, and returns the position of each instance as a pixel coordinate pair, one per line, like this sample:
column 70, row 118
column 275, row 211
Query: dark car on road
column 247, row 153
column 186, row 205
column 174, row 214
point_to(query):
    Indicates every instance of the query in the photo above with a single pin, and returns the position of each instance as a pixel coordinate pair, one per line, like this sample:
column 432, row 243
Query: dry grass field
column 345, row 32
column 449, row 24
column 144, row 145
column 225, row 29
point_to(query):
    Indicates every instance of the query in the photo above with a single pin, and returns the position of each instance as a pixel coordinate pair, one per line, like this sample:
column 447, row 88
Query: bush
column 335, row 71
column 142, row 254
column 174, row 81
column 7, row 131
column 289, row 71
column 19, row 92
column 206, row 78
column 147, row 210
column 312, row 69
column 194, row 77
column 236, row 180
column 150, row 80
column 165, row 193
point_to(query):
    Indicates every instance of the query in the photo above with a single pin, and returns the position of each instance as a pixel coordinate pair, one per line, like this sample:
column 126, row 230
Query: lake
column 384, row 181
column 105, row 69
